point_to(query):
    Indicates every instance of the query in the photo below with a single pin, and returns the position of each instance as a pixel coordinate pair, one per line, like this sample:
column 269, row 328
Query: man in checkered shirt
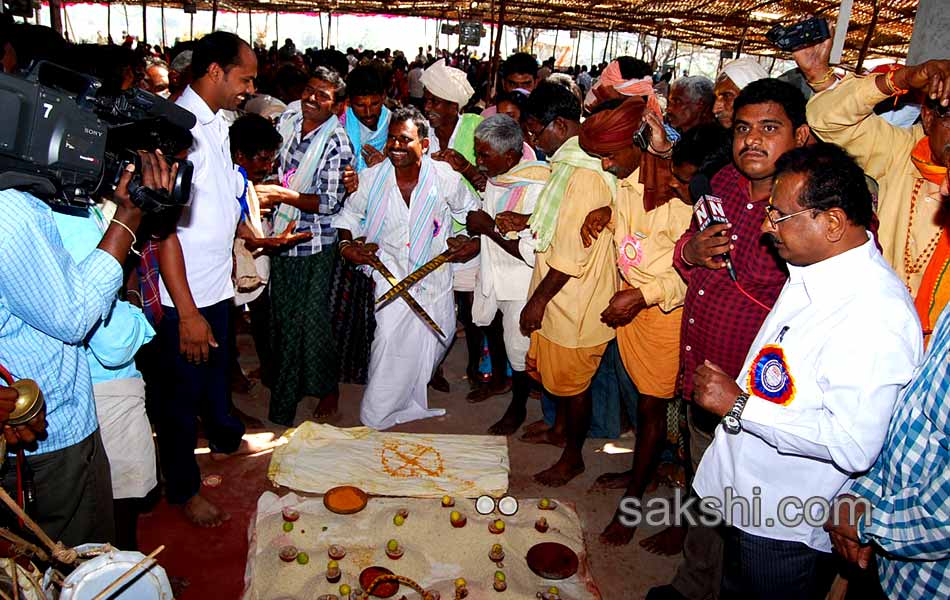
column 908, row 487
column 314, row 153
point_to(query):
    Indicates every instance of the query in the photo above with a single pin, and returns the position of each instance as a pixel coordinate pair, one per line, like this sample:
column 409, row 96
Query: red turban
column 612, row 130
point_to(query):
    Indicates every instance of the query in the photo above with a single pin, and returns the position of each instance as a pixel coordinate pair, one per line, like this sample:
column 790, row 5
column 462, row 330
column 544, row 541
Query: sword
column 420, row 312
column 401, row 288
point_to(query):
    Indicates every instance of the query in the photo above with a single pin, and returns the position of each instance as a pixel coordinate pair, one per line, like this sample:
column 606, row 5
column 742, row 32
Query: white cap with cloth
column 448, row 83
column 743, row 71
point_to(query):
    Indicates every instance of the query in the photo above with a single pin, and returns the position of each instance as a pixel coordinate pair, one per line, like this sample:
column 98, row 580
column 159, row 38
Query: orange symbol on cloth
column 406, row 459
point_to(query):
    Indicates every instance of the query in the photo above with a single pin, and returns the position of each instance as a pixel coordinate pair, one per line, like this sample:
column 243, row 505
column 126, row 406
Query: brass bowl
column 29, row 402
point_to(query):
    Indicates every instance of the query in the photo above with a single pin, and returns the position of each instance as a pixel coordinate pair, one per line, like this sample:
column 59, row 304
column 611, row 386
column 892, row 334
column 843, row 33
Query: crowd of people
column 768, row 253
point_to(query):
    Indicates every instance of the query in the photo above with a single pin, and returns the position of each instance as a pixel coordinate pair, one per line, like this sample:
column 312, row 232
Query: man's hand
column 532, row 314
column 271, row 195
column 659, row 142
column 195, row 338
column 479, row 222
column 351, row 181
column 945, row 187
column 714, row 390
column 156, row 174
column 843, row 530
column 29, row 432
column 705, row 247
column 509, row 221
column 372, row 156
column 814, row 61
column 8, row 396
column 623, row 307
column 595, row 222
column 463, row 248
column 458, row 162
column 278, row 243
column 360, row 253
column 932, row 77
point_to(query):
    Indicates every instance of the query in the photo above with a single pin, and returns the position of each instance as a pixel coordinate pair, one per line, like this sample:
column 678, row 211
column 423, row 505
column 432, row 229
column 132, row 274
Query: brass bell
column 29, row 403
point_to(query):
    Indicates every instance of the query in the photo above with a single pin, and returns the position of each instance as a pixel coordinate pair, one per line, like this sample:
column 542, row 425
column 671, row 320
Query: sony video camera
column 66, row 143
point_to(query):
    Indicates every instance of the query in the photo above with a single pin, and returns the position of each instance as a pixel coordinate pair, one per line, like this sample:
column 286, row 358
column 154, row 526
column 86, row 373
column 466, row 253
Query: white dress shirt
column 393, row 241
column 841, row 342
column 208, row 224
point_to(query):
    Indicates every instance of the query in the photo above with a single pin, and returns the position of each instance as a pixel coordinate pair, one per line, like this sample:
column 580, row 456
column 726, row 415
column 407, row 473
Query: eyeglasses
column 769, row 209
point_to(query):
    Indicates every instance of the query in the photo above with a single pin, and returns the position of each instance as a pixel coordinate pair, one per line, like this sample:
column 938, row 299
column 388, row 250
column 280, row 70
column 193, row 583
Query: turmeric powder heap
column 344, row 499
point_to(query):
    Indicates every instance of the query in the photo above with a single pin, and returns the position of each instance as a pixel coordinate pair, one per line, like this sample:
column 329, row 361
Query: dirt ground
column 207, row 564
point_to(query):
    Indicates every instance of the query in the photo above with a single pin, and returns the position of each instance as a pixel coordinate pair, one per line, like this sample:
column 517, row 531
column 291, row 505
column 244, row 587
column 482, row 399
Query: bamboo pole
column 214, row 15
column 164, row 45
column 875, row 13
column 496, row 55
column 144, row 23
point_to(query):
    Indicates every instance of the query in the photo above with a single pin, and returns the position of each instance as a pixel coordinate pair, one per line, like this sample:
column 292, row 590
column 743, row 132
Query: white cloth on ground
column 126, row 436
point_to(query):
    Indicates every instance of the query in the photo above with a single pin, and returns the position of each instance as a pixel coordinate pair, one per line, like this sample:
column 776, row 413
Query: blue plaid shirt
column 909, row 485
column 327, row 184
column 48, row 305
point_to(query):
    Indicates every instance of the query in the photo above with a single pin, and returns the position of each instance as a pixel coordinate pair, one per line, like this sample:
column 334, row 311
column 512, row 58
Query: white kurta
column 405, row 350
column 503, row 280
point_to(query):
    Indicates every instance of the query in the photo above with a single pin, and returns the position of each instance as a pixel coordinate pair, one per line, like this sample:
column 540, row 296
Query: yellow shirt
column 572, row 317
column 645, row 242
column 844, row 115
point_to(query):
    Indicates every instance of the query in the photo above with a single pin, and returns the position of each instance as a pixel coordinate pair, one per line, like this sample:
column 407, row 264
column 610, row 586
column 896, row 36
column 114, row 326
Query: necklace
column 912, row 267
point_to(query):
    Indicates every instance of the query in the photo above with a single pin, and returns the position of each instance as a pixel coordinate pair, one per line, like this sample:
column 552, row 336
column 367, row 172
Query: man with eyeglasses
column 721, row 316
column 909, row 164
column 811, row 406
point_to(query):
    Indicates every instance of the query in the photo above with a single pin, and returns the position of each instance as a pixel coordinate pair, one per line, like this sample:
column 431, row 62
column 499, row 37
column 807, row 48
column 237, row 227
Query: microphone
column 708, row 210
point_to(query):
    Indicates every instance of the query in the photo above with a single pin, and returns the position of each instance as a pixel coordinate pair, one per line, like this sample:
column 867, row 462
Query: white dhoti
column 127, row 436
column 404, row 356
column 484, row 308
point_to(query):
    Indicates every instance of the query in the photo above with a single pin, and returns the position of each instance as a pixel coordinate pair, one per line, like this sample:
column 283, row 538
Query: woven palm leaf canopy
column 722, row 24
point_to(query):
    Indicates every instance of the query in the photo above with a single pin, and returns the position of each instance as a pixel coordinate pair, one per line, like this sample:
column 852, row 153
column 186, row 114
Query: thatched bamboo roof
column 714, row 23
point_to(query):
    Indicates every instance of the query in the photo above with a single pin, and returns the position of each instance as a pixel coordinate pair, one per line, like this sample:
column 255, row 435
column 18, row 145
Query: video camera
column 66, row 143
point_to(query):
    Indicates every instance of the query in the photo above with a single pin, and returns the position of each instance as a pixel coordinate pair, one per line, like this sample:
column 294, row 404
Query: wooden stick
column 36, row 529
column 18, row 541
column 105, row 593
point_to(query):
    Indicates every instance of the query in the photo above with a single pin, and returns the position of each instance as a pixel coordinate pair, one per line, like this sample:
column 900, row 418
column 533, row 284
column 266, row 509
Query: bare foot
column 560, row 474
column 509, row 423
column 536, row 426
column 617, row 534
column 251, row 443
column 612, row 481
column 547, row 436
column 327, row 407
column 204, row 514
column 668, row 542
column 489, row 390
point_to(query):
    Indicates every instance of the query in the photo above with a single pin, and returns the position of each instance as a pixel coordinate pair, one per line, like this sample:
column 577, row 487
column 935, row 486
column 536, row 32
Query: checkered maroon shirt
column 719, row 321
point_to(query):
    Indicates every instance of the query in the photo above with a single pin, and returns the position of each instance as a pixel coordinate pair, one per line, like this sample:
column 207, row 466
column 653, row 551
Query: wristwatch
column 731, row 420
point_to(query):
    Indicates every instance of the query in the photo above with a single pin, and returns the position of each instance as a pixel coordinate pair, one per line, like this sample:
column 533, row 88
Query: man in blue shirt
column 48, row 305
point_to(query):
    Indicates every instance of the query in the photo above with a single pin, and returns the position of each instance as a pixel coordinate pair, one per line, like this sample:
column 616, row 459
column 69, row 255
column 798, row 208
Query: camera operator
column 48, row 305
column 196, row 288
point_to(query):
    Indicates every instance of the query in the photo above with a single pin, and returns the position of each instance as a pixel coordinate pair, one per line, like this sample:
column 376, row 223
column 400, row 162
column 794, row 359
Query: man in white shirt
column 403, row 211
column 812, row 403
column 416, row 89
column 195, row 286
column 506, row 261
